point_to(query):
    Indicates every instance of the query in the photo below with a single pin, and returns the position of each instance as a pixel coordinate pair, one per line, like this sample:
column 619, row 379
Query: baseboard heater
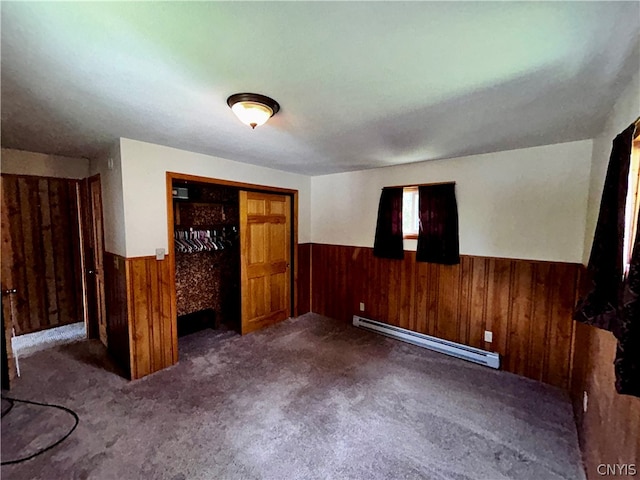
column 471, row 354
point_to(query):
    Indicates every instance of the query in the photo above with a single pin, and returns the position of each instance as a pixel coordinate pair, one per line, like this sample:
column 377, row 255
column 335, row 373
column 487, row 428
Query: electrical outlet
column 585, row 401
column 362, row 306
column 488, row 336
column 160, row 253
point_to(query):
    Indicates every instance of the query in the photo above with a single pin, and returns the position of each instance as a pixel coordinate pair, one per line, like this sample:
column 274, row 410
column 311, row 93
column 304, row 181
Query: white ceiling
column 361, row 84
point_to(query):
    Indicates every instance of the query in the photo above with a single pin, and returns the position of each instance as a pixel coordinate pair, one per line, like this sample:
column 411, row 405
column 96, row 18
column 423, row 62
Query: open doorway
column 44, row 265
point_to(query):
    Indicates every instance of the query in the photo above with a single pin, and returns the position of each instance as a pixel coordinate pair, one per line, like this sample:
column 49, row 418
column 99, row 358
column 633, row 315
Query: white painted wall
column 144, row 167
column 112, row 199
column 20, row 162
column 624, row 112
column 529, row 203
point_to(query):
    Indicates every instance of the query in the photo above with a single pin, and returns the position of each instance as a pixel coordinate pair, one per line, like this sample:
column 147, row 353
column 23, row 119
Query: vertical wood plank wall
column 527, row 305
column 608, row 431
column 141, row 318
column 41, row 251
column 153, row 338
column 142, row 335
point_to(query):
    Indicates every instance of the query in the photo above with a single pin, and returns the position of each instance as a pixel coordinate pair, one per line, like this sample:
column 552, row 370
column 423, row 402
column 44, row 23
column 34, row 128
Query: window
column 410, row 218
column 632, row 204
column 427, row 213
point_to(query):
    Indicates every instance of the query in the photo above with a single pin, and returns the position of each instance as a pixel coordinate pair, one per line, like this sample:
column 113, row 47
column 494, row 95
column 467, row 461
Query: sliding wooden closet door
column 41, row 252
column 265, row 239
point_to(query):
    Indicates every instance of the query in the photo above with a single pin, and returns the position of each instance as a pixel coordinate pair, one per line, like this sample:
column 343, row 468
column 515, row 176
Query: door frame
column 171, row 176
column 92, row 235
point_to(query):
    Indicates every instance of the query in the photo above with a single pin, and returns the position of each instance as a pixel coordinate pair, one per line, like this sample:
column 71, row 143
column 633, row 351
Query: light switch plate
column 488, row 336
column 160, row 253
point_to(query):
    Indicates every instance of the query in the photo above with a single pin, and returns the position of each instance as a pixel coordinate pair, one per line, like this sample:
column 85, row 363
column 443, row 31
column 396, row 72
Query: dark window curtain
column 601, row 304
column 388, row 241
column 627, row 330
column 438, row 229
column 611, row 303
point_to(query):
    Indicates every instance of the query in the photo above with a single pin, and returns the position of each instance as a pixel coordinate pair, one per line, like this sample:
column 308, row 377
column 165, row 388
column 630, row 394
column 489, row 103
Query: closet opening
column 233, row 254
column 207, row 256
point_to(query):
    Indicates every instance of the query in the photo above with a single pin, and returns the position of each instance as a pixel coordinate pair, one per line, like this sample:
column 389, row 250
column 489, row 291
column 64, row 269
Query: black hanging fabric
column 601, row 304
column 438, row 230
column 627, row 329
column 388, row 240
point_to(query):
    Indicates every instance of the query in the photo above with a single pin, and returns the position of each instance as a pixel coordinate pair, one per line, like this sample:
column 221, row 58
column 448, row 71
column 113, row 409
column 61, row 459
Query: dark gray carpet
column 310, row 398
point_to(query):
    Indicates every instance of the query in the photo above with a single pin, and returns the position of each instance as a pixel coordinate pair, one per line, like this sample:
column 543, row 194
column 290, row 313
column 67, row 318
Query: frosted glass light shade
column 253, row 109
column 252, row 114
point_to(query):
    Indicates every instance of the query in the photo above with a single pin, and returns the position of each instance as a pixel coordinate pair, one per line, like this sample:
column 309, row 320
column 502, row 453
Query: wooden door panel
column 257, row 240
column 278, row 291
column 265, row 230
column 277, row 248
column 256, row 206
column 277, row 207
column 257, row 303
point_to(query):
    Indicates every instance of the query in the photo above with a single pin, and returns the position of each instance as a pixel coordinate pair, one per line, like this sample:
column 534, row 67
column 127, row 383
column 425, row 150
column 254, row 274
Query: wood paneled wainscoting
column 141, row 313
column 303, row 283
column 527, row 304
column 115, row 277
column 608, row 430
column 142, row 327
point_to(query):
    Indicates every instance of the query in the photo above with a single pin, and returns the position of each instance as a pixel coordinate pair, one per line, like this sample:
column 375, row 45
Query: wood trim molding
column 509, row 259
column 294, row 229
column 43, row 177
column 228, row 183
column 304, row 279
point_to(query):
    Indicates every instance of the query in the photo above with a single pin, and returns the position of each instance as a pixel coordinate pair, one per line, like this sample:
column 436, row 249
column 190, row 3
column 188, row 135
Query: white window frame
column 410, row 215
column 632, row 205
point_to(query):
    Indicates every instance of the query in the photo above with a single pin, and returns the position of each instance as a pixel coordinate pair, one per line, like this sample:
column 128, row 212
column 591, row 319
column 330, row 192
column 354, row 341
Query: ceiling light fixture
column 253, row 109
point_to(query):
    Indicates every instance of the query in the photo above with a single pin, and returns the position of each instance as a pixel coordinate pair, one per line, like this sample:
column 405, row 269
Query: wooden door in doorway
column 265, row 240
column 94, row 264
